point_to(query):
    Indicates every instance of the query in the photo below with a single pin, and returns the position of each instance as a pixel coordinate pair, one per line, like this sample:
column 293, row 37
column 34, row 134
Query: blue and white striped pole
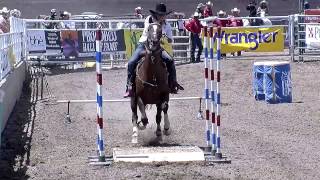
column 218, row 154
column 99, row 96
column 206, row 82
column 213, row 135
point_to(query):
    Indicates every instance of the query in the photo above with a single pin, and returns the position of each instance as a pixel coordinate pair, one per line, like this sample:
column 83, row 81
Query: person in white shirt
column 15, row 13
column 158, row 15
column 65, row 15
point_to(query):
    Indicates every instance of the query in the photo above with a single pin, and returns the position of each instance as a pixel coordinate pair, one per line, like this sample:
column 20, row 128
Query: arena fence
column 12, row 47
column 300, row 41
column 306, row 37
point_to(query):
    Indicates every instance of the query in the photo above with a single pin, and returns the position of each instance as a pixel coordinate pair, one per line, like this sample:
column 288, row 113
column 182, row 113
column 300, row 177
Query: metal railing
column 12, row 47
column 303, row 27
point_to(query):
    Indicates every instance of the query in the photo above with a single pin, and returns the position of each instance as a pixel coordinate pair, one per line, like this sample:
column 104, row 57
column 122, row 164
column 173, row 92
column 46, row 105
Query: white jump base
column 158, row 154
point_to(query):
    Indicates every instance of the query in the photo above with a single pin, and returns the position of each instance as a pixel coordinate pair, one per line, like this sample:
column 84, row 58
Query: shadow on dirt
column 17, row 135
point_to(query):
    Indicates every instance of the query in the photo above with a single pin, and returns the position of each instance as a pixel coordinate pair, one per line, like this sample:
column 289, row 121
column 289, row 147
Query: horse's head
column 154, row 36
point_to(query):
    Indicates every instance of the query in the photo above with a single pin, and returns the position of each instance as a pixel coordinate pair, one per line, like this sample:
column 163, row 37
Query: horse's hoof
column 167, row 132
column 158, row 133
column 141, row 126
column 134, row 140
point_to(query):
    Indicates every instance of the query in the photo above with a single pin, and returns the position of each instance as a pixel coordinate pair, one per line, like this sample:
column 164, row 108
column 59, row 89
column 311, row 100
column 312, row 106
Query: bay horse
column 151, row 85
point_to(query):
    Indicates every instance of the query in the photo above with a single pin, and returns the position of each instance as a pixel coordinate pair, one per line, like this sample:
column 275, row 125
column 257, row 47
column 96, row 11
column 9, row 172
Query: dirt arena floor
column 264, row 141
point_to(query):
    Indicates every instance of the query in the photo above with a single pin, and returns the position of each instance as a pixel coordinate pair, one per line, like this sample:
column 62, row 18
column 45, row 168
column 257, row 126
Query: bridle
column 152, row 47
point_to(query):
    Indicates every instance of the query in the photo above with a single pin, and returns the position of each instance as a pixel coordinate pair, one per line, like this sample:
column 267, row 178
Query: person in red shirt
column 224, row 22
column 207, row 12
column 234, row 22
column 194, row 26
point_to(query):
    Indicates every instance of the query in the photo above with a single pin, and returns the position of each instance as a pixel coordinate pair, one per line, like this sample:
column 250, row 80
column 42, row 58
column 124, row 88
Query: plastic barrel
column 277, row 82
column 258, row 73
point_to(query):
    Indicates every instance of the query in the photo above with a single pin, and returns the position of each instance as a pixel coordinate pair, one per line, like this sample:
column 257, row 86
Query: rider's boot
column 173, row 84
column 129, row 88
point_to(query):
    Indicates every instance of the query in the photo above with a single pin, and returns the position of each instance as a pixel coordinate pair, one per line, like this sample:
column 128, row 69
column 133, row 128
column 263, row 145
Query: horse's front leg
column 165, row 107
column 134, row 120
column 144, row 119
column 158, row 120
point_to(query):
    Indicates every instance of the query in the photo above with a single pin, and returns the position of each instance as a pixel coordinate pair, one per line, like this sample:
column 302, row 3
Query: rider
column 158, row 15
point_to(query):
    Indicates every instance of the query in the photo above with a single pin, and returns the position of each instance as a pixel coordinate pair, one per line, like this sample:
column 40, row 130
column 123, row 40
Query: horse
column 151, row 85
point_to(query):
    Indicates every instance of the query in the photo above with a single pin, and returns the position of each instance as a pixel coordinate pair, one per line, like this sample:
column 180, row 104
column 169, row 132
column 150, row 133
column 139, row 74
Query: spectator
column 253, row 13
column 306, row 5
column 138, row 12
column 200, row 9
column 65, row 15
column 194, row 26
column 4, row 20
column 224, row 22
column 15, row 13
column 263, row 9
column 207, row 12
column 234, row 22
column 180, row 25
column 53, row 15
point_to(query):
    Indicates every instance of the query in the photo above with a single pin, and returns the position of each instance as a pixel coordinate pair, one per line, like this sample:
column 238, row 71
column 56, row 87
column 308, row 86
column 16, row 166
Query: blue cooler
column 277, row 82
column 258, row 71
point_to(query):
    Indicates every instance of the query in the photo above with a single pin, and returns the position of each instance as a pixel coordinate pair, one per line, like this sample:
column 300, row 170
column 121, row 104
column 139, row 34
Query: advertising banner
column 53, row 41
column 252, row 39
column 313, row 36
column 132, row 40
column 312, row 19
column 36, row 41
column 70, row 43
column 112, row 41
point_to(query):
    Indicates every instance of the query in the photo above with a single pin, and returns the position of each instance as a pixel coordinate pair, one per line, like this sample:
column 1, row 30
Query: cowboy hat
column 264, row 2
column 161, row 9
column 235, row 10
column 196, row 14
column 221, row 12
column 138, row 8
column 200, row 5
column 209, row 3
column 5, row 10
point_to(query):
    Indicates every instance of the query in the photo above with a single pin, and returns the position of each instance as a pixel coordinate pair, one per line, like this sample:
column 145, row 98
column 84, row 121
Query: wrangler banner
column 132, row 40
column 252, row 39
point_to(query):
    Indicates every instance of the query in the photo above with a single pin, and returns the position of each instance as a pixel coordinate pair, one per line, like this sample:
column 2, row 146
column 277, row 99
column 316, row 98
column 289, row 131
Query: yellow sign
column 252, row 39
column 132, row 40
